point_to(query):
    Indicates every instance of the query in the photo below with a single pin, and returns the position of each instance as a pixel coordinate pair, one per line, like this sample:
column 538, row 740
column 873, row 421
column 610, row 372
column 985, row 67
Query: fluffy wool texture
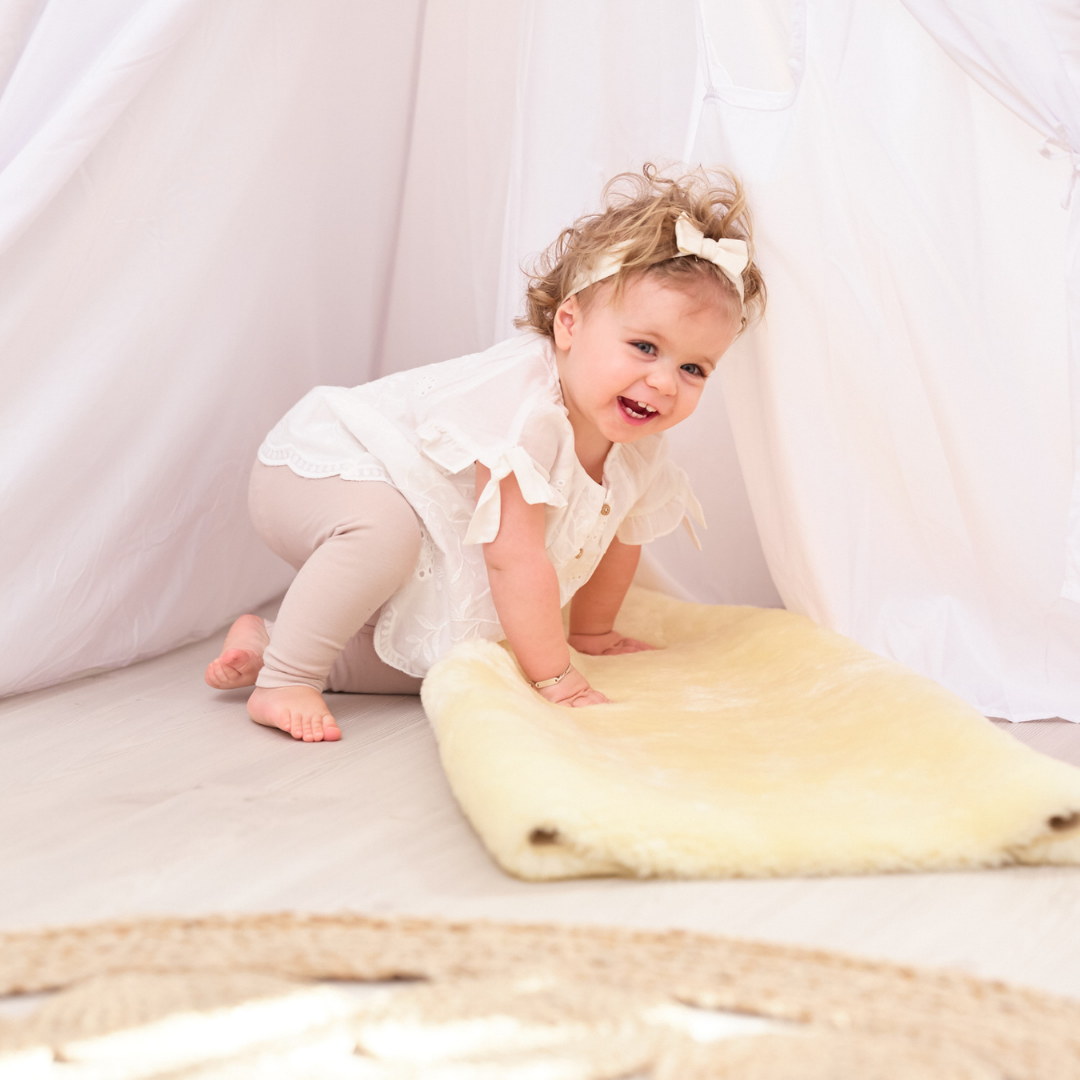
column 751, row 743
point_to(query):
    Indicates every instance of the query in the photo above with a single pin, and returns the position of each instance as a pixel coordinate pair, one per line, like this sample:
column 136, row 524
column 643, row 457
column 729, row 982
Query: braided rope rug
column 248, row 997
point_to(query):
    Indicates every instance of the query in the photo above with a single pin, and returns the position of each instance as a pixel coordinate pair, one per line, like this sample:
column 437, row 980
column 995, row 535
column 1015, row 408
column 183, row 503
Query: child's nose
column 661, row 379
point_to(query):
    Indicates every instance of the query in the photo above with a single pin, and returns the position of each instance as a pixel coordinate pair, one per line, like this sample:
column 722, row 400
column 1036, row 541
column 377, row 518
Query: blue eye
column 694, row 369
column 644, row 346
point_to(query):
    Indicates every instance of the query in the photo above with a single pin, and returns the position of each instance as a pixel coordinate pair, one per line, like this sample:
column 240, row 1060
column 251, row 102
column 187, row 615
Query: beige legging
column 354, row 543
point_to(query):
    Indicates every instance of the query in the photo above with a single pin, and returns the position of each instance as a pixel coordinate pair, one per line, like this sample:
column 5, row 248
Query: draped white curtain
column 903, row 418
column 199, row 205
column 207, row 208
column 1027, row 54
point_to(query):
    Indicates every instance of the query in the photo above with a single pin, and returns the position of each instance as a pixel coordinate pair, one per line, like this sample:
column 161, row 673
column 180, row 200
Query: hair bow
column 730, row 255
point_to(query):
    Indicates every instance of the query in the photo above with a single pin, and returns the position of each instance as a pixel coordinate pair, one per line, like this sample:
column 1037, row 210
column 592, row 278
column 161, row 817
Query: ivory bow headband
column 730, row 255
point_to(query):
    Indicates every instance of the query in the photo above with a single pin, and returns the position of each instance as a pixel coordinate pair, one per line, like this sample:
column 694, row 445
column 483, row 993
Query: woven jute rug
column 273, row 996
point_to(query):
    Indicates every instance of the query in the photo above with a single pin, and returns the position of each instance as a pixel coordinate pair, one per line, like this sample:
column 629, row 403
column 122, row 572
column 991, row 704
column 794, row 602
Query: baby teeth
column 642, row 408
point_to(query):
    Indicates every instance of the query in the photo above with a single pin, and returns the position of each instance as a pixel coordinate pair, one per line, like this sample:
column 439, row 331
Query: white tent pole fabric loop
column 719, row 84
column 1054, row 148
column 34, row 169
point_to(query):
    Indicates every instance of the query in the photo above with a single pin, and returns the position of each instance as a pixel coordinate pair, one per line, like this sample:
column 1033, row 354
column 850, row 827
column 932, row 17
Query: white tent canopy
column 207, row 208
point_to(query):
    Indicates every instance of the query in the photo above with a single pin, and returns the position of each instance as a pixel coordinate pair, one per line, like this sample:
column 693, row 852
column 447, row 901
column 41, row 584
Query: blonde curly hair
column 640, row 211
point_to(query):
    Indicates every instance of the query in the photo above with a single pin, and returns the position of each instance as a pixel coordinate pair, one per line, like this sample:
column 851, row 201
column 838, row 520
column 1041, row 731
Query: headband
column 730, row 255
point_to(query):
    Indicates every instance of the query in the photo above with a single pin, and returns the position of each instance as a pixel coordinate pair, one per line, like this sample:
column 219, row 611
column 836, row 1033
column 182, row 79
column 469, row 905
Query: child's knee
column 384, row 524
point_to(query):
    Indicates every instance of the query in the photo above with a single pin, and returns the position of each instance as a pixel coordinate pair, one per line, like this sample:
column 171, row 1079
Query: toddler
column 476, row 497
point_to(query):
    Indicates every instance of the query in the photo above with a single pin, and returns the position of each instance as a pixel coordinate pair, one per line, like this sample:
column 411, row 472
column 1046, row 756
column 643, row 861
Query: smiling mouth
column 636, row 412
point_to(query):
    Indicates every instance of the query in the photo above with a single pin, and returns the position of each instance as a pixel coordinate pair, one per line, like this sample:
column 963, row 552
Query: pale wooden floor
column 144, row 791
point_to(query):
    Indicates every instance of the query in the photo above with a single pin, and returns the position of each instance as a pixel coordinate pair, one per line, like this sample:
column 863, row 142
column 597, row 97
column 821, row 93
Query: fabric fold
column 448, row 448
column 34, row 167
column 484, row 526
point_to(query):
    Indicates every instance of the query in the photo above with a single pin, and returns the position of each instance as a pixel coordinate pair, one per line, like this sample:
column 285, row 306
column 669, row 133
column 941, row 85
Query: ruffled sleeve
column 528, row 452
column 667, row 502
column 503, row 409
column 532, row 480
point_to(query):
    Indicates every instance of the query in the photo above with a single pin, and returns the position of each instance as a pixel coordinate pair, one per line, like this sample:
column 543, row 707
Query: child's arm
column 597, row 602
column 525, row 590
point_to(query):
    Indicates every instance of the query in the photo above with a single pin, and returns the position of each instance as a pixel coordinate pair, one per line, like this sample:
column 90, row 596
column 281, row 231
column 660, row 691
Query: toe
column 242, row 662
column 215, row 675
column 229, row 670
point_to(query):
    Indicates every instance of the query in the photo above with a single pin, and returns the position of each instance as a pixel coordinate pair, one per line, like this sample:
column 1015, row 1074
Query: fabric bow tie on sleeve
column 731, row 256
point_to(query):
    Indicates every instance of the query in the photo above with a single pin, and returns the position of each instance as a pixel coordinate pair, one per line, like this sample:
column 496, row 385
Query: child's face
column 639, row 367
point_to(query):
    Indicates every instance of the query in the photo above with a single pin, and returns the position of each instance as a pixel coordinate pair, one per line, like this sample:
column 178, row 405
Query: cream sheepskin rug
column 752, row 743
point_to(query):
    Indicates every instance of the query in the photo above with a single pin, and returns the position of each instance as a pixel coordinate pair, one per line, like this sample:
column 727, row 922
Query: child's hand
column 574, row 690
column 610, row 644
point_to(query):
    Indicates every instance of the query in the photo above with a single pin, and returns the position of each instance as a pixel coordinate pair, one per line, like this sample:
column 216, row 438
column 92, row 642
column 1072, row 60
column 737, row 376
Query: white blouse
column 423, row 431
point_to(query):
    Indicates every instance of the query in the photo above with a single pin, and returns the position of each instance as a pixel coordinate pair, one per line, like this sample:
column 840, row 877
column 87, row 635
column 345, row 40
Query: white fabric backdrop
column 199, row 206
column 211, row 207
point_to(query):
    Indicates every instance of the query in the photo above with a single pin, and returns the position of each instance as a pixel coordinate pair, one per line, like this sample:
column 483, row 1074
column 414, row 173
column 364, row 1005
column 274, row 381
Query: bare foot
column 241, row 655
column 299, row 710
